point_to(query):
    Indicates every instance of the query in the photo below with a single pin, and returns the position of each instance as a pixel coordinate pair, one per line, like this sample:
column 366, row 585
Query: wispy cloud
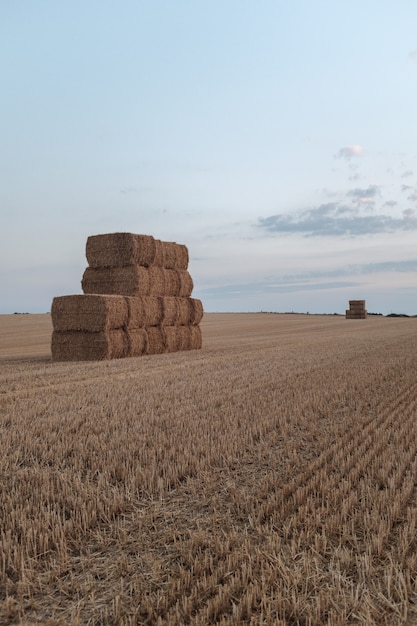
column 413, row 56
column 364, row 196
column 349, row 152
column 407, row 174
column 334, row 219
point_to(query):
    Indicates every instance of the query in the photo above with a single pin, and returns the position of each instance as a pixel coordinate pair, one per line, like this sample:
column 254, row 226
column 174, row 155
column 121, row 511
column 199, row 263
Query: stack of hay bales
column 136, row 301
column 356, row 310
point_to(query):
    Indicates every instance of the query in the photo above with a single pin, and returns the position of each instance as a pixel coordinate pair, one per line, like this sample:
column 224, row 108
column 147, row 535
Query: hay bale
column 90, row 313
column 137, row 341
column 186, row 284
column 357, row 304
column 173, row 338
column 174, row 255
column 144, row 311
column 119, row 249
column 132, row 280
column 76, row 345
column 197, row 311
column 356, row 315
column 156, row 340
column 157, row 285
column 170, row 310
column 190, row 311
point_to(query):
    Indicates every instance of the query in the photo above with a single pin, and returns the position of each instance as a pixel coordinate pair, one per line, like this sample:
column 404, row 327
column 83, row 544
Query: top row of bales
column 136, row 265
column 122, row 249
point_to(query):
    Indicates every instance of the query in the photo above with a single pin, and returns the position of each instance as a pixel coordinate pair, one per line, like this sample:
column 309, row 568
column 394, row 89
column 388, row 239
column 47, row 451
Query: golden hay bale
column 76, row 345
column 197, row 311
column 186, row 284
column 159, row 253
column 170, row 310
column 144, row 311
column 356, row 315
column 137, row 341
column 190, row 311
column 174, row 255
column 89, row 312
column 173, row 338
column 156, row 340
column 118, row 249
column 132, row 280
column 136, row 306
column 184, row 311
column 157, row 281
column 171, row 282
column 357, row 303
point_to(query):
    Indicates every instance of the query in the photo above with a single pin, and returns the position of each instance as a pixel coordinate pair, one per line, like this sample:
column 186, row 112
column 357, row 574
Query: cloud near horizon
column 334, row 219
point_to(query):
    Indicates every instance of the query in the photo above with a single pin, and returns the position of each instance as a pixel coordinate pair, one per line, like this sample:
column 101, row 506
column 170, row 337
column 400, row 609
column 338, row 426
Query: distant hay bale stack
column 91, row 313
column 156, row 340
column 132, row 280
column 119, row 249
column 137, row 341
column 356, row 310
column 76, row 345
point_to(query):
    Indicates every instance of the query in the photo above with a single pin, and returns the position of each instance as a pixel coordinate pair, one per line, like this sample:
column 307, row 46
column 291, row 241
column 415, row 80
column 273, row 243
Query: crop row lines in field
column 305, row 516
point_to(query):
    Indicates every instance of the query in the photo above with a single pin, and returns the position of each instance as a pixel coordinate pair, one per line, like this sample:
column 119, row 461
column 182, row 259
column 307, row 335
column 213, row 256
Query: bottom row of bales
column 78, row 345
column 96, row 327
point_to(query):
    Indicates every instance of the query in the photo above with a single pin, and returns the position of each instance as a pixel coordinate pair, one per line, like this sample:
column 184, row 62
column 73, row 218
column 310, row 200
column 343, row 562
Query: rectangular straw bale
column 132, row 280
column 174, row 255
column 144, row 311
column 157, row 285
column 190, row 311
column 88, row 312
column 357, row 303
column 137, row 341
column 119, row 249
column 186, row 284
column 76, row 345
column 170, row 310
column 173, row 338
column 197, row 311
column 354, row 315
column 156, row 340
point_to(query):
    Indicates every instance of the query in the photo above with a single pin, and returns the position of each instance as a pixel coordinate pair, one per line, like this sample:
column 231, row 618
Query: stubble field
column 269, row 478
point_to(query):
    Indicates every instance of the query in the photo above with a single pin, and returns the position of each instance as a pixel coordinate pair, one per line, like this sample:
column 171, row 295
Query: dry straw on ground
column 268, row 479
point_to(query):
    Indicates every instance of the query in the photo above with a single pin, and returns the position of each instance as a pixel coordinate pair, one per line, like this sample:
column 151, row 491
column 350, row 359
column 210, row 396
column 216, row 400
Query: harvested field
column 268, row 478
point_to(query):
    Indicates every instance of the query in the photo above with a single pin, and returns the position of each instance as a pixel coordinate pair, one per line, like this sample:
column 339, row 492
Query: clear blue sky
column 277, row 140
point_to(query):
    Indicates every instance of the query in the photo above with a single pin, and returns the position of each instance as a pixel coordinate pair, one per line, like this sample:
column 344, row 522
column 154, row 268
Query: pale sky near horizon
column 277, row 140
